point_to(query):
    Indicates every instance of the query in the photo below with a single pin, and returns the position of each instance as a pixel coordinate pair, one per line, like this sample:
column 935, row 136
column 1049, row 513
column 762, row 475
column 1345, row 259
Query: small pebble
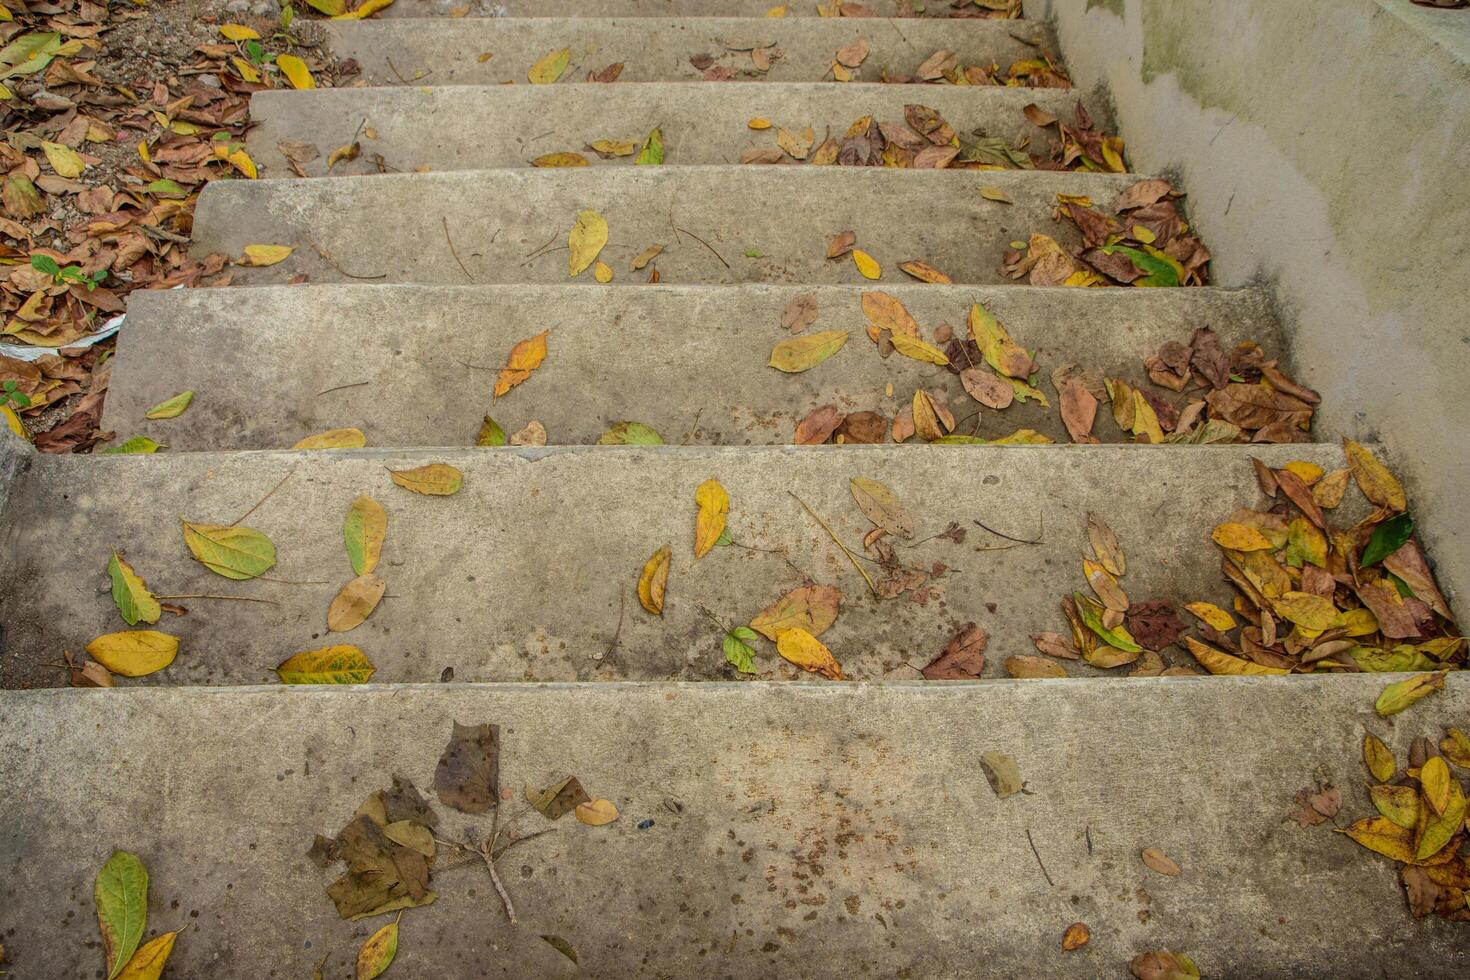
column 645, row 824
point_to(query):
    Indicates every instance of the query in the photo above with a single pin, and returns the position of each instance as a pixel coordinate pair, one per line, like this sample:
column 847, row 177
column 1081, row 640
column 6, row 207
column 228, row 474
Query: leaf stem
column 838, row 541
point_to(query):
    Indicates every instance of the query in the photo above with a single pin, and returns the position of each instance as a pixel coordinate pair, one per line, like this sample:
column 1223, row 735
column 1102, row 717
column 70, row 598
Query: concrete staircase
column 782, row 827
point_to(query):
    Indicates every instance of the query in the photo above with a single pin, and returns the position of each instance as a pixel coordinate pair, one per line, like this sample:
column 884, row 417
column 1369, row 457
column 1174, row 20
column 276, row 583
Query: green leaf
column 166, row 188
column 235, row 552
column 724, row 539
column 332, row 8
column 738, row 650
column 46, row 264
column 363, row 532
column 1118, row 637
column 630, row 434
column 652, row 151
column 1401, row 659
column 135, row 446
column 134, row 601
column 1387, row 538
column 491, row 434
column 1158, row 268
column 28, row 54
column 121, row 895
column 341, row 664
column 171, row 408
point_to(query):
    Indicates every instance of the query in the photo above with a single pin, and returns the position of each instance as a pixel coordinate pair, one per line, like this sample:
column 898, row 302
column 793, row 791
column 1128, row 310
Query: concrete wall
column 1325, row 148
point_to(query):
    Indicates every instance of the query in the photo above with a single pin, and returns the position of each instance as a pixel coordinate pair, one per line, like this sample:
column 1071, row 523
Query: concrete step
column 414, row 365
column 526, row 573
column 660, row 8
column 463, row 127
column 764, row 830
column 658, row 49
column 732, row 224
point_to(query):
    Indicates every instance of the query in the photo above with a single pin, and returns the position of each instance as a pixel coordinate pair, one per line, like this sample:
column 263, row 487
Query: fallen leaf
column 524, row 357
column 991, row 193
column 134, row 602
column 1435, row 778
column 652, row 150
column 1021, row 665
column 797, row 145
column 170, row 408
column 561, row 946
column 550, row 67
column 1002, row 773
column 759, row 123
column 534, row 434
column 237, row 553
column 613, row 148
column 148, row 962
column 602, row 272
column 1076, row 936
column 1158, row 861
column 1398, row 696
column 853, row 54
column 1456, row 747
column 562, row 159
column 709, row 524
column 121, row 896
column 1441, row 828
column 1163, row 965
column 585, row 241
column 340, row 664
column 295, row 71
column 797, row 354
column 813, row 608
column 1400, row 804
column 597, row 813
column 363, row 532
column 558, row 799
column 1378, row 757
column 885, row 312
column 431, row 479
column 807, row 652
column 1105, row 545
column 467, row 776
column 630, row 434
column 63, row 159
column 646, row 256
column 882, row 506
column 355, row 603
column 238, row 32
column 1240, row 537
column 924, row 272
column 918, row 350
column 654, row 580
column 738, row 650
column 1213, row 616
column 1217, row 662
column 866, row 264
column 1374, row 479
column 334, row 439
column 840, row 244
column 963, row 657
column 998, row 348
column 377, row 953
column 1316, row 804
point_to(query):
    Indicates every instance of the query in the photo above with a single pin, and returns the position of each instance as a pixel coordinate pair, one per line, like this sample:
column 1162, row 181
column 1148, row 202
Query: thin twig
column 1087, row 832
column 408, row 81
column 612, row 647
column 327, row 258
column 285, row 581
column 838, row 541
column 263, row 499
column 355, row 384
column 705, row 244
column 233, row 598
column 1040, row 534
column 453, row 251
column 1039, row 863
column 532, row 252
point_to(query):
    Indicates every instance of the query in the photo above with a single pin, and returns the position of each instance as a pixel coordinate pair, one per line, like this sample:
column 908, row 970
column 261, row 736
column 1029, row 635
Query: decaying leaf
column 349, row 438
column 1023, row 666
column 558, row 799
column 1316, row 804
column 797, row 354
column 585, row 241
column 134, row 653
column 550, row 67
column 654, row 580
column 1076, row 936
column 709, row 523
column 596, row 813
column 363, row 532
column 355, row 603
column 340, row 664
column 1163, row 965
column 377, row 953
column 1158, row 861
column 134, row 602
column 963, row 657
column 148, row 962
column 1398, row 696
column 1378, row 757
column 524, row 357
column 1002, row 773
column 813, row 608
column 807, row 652
column 1374, row 479
column 882, row 506
column 924, row 272
column 121, row 896
column 1456, row 747
column 468, row 774
column 431, row 479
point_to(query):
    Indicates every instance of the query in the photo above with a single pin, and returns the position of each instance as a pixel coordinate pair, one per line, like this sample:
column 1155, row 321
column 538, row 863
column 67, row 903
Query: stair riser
column 689, row 361
column 448, row 52
column 470, row 128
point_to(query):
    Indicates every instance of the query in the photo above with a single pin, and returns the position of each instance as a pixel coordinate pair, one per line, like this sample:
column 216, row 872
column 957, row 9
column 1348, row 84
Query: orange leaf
column 525, row 357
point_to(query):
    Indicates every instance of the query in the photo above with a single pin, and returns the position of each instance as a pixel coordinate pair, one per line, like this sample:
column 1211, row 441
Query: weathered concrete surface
column 760, row 224
column 798, row 831
column 463, row 127
column 527, row 571
column 645, row 8
column 414, row 365
column 1276, row 115
column 15, row 454
column 658, row 49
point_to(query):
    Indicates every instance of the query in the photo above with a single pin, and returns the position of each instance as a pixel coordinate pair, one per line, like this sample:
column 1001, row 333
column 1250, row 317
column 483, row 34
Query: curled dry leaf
column 840, row 244
column 431, row 479
column 654, row 580
column 355, row 603
column 134, row 653
column 1076, row 936
column 597, row 813
column 558, row 799
column 1158, row 861
column 709, row 523
column 349, row 438
column 525, row 357
column 809, row 653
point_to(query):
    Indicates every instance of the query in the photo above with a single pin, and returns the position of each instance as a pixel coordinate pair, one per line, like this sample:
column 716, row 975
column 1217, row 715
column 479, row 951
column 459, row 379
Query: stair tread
column 690, row 361
column 527, row 571
column 481, row 127
column 827, row 826
column 756, row 223
column 659, row 48
column 574, row 9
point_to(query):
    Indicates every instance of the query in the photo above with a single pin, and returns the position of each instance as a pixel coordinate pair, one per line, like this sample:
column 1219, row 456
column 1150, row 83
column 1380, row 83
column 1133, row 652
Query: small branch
column 232, row 598
column 705, row 244
column 355, row 384
column 285, row 581
column 838, row 541
column 1034, row 851
column 453, row 251
column 408, row 81
column 617, row 633
column 263, row 499
column 327, row 258
column 1040, row 534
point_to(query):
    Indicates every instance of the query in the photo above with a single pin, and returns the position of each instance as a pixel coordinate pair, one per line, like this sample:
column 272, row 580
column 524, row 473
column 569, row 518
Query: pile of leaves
column 1421, row 822
column 104, row 157
column 1143, row 240
column 943, row 68
column 1312, row 597
column 923, row 140
column 983, row 9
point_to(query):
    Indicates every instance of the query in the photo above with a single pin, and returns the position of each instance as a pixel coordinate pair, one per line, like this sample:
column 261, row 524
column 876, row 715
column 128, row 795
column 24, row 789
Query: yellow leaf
column 1217, row 662
column 1378, row 757
column 237, row 553
column 366, row 10
column 1399, row 804
column 148, row 962
column 995, row 194
column 780, row 11
column 1440, row 828
column 134, row 653
column 246, row 69
column 377, row 953
column 525, row 357
column 1240, row 537
column 886, row 313
column 355, row 603
column 997, row 346
column 866, row 264
column 1374, row 479
column 596, row 813
column 170, row 408
column 340, row 664
column 924, row 272
column 1384, row 836
column 654, row 580
column 295, row 71
column 334, row 439
column 808, row 653
column 759, row 123
column 613, row 148
column 1396, row 697
column 1308, row 610
column 796, row 144
column 1212, row 615
column 602, row 272
column 1359, row 622
column 130, row 594
column 561, row 160
column 238, row 32
column 918, row 349
column 264, row 255
column 1309, row 472
column 1435, row 777
column 585, row 241
column 363, row 532
column 1456, row 747
column 549, row 68
column 63, row 159
column 927, row 423
column 12, row 422
column 709, row 524
column 244, row 164
column 797, row 354
column 1146, row 420
column 432, row 479
column 1076, row 936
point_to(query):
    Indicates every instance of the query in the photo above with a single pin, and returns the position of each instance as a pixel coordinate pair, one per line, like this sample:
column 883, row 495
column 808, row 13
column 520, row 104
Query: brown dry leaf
column 525, row 357
column 853, row 54
column 819, row 425
column 1076, row 936
column 1105, row 545
column 882, row 506
column 558, row 799
column 963, row 657
column 1158, row 861
column 563, row 159
column 886, row 313
column 1160, row 964
column 534, row 434
column 646, row 256
column 1316, row 804
column 808, row 653
column 709, row 524
column 355, row 603
column 1002, row 773
column 813, row 608
column 799, row 312
column 654, row 580
column 1079, row 411
column 840, row 244
column 596, row 813
column 924, row 272
column 1105, row 586
column 798, row 145
column 1022, row 665
column 468, row 774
